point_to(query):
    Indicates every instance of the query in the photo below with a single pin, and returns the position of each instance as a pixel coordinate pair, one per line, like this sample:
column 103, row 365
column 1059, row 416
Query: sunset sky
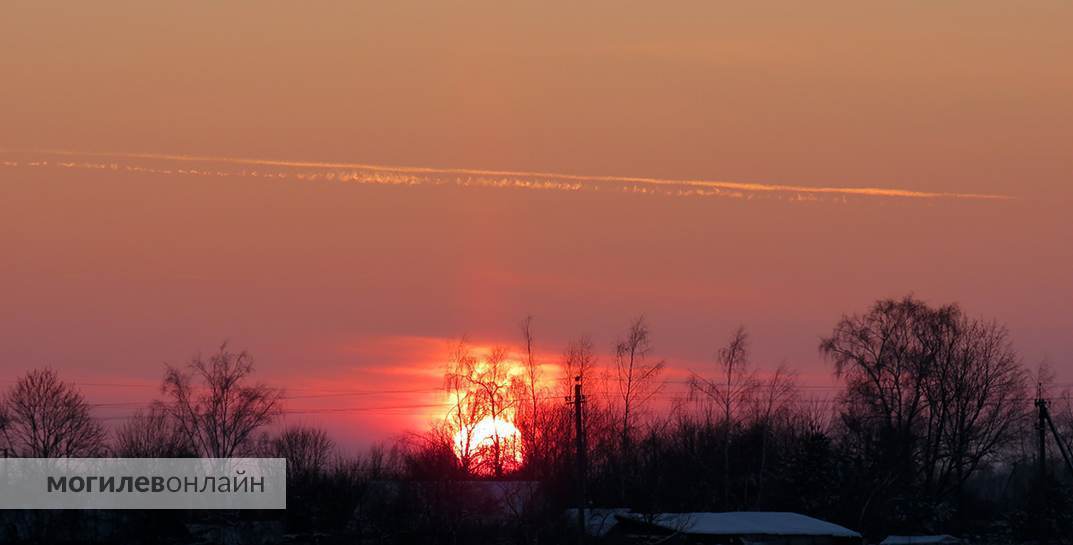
column 173, row 175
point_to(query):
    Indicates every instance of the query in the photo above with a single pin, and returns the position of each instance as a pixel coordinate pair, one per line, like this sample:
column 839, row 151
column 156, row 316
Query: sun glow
column 488, row 443
column 490, row 393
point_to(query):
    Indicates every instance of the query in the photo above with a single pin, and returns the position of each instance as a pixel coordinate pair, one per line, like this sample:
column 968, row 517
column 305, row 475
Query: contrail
column 406, row 175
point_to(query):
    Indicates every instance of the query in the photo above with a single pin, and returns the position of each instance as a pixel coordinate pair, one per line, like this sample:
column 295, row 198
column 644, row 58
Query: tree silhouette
column 636, row 377
column 152, row 434
column 931, row 395
column 731, row 392
column 43, row 417
column 307, row 450
column 214, row 405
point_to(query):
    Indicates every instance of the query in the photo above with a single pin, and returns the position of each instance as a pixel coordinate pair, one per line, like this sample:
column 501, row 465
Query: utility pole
column 1062, row 448
column 1041, row 410
column 579, row 432
column 1046, row 423
column 1041, row 488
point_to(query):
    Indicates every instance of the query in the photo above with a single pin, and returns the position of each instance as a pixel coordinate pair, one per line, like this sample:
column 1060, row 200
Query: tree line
column 932, row 431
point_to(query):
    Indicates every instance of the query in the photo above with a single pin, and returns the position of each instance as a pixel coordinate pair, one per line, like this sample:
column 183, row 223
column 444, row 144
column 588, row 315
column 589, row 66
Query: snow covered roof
column 920, row 540
column 744, row 523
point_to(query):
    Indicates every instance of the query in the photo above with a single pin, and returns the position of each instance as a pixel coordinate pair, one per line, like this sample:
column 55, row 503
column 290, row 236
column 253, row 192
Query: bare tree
column 773, row 396
column 214, row 404
column 152, row 434
column 636, row 377
column 732, row 391
column 974, row 402
column 578, row 363
column 495, row 387
column 885, row 358
column 532, row 385
column 485, row 395
column 466, row 410
column 937, row 389
column 307, row 450
column 772, row 400
column 43, row 417
column 600, row 418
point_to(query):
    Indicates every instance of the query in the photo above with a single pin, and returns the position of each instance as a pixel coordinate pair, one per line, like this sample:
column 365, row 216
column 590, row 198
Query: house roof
column 919, row 540
column 743, row 523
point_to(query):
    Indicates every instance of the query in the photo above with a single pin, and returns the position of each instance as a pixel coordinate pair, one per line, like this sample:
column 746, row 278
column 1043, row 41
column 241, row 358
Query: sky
column 346, row 188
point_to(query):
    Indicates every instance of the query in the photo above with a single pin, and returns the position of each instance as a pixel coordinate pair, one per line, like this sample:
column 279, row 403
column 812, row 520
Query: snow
column 745, row 523
column 920, row 540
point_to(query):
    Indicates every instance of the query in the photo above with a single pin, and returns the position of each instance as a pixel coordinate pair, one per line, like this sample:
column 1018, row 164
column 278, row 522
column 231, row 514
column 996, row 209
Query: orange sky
column 348, row 287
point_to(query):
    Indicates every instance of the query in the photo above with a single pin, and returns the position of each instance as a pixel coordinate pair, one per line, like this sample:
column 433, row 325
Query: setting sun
column 479, row 445
column 490, row 394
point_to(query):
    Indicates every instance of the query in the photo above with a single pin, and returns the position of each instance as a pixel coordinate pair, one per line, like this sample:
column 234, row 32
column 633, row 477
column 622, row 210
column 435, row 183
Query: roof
column 744, row 523
column 919, row 540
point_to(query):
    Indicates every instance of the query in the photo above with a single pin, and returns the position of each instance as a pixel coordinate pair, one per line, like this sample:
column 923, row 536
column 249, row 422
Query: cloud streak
column 373, row 174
